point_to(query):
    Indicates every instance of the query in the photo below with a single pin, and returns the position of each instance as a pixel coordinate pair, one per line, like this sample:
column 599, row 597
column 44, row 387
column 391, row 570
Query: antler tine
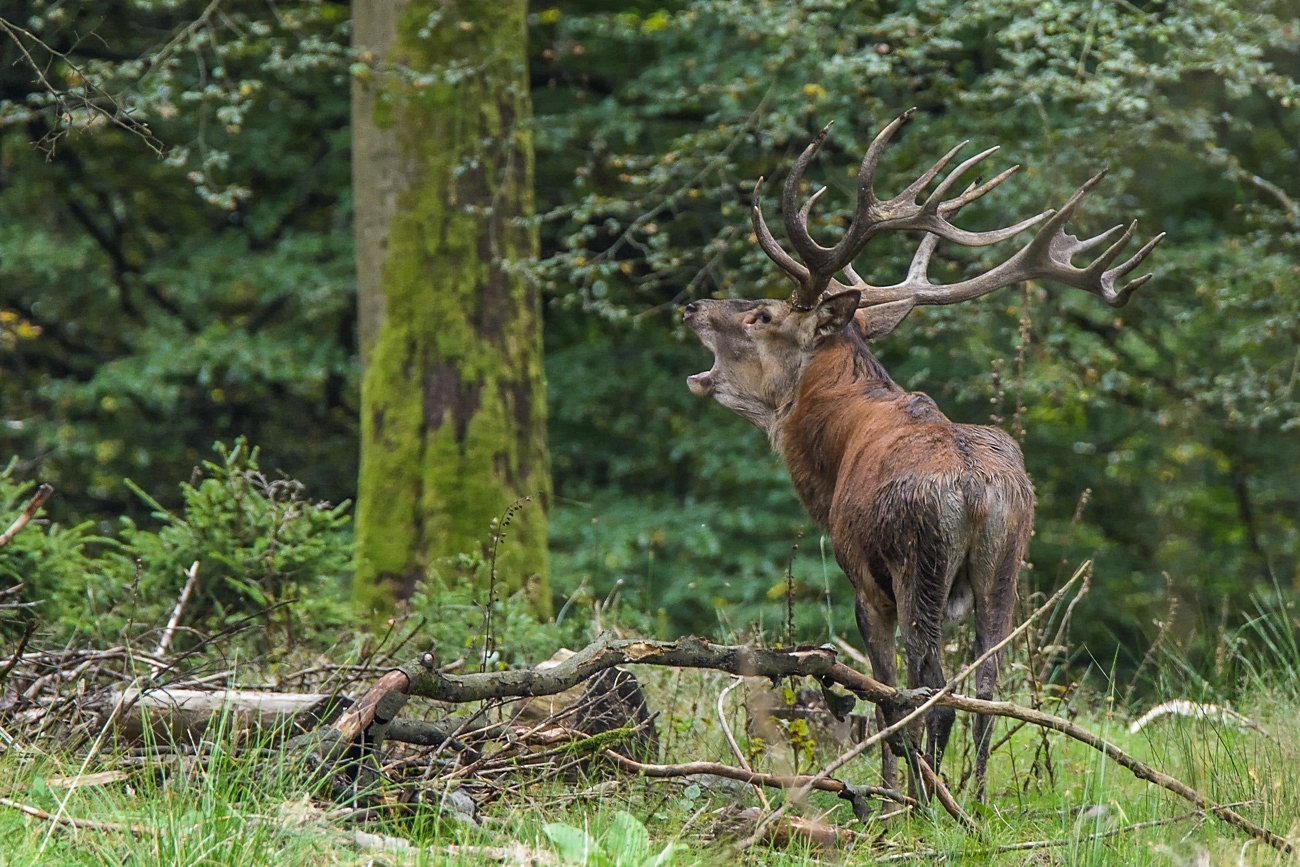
column 796, row 218
column 975, row 191
column 1112, row 252
column 808, row 206
column 1061, row 217
column 1046, row 256
column 914, row 189
column 1095, row 240
column 935, row 199
column 871, row 159
column 798, row 273
column 1118, row 298
column 920, row 268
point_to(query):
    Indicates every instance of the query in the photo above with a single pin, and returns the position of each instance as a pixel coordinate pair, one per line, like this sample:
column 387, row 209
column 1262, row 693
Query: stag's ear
column 835, row 312
column 880, row 319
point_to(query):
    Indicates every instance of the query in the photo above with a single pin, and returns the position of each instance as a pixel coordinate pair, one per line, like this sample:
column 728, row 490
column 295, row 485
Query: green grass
column 251, row 810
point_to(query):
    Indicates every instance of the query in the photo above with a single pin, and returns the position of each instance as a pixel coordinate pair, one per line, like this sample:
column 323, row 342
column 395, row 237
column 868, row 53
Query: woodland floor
column 1063, row 805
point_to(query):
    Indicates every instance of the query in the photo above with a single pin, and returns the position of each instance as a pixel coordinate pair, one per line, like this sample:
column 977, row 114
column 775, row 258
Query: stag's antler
column 1047, row 255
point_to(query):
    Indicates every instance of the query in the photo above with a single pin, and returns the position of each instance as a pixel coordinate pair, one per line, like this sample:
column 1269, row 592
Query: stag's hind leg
column 920, row 624
column 994, row 570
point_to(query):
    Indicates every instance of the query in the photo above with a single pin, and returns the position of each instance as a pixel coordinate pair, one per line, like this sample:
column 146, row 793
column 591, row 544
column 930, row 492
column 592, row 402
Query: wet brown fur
column 923, row 514
column 914, row 506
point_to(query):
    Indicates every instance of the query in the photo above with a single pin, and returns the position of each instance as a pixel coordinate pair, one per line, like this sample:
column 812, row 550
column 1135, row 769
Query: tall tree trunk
column 453, row 401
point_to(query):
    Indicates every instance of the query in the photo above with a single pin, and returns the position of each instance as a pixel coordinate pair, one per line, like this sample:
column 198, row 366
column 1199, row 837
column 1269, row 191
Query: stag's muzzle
column 700, row 384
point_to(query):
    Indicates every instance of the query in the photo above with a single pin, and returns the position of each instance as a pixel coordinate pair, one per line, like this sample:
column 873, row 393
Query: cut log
column 184, row 715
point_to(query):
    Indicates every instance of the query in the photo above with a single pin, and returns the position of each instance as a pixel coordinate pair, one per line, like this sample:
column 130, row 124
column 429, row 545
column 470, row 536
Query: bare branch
column 29, row 511
column 192, row 575
column 87, row 824
column 772, row 781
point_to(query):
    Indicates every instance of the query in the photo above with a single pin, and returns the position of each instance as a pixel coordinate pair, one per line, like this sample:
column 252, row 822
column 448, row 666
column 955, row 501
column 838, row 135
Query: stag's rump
column 943, row 527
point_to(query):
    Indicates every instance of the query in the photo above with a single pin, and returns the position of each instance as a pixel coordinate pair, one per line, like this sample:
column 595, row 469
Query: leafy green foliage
column 1178, row 412
column 625, row 843
column 268, row 557
column 137, row 299
column 44, row 558
column 158, row 305
column 262, row 547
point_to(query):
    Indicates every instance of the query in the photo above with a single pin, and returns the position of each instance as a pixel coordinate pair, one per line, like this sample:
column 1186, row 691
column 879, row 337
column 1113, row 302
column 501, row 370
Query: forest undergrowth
column 239, row 796
column 523, row 783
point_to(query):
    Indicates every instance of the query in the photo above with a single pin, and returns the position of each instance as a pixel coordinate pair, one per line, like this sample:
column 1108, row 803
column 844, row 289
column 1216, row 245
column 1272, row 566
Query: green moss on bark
column 453, row 397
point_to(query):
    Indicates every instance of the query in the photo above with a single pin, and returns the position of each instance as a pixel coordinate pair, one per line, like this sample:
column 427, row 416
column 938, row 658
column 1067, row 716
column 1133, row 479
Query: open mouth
column 701, row 384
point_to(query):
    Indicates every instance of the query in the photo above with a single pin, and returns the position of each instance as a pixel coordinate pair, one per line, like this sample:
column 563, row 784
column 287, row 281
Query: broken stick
column 29, row 511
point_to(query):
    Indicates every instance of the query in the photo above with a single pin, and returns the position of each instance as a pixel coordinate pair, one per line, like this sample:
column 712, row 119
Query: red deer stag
column 925, row 516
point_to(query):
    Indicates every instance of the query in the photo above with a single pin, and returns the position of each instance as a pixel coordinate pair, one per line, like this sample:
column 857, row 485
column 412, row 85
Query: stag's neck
column 843, row 394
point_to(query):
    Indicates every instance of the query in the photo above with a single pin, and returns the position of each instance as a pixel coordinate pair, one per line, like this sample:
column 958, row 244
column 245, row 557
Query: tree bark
column 453, row 399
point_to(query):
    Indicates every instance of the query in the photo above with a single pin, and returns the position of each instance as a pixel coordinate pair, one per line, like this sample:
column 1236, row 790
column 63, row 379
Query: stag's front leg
column 877, row 628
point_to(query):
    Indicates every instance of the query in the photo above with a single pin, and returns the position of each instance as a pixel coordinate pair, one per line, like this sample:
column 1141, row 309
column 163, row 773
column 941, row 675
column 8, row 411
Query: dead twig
column 1196, row 710
column 28, row 632
column 731, row 739
column 81, row 824
column 934, row 784
column 192, row 576
column 29, row 511
column 773, row 781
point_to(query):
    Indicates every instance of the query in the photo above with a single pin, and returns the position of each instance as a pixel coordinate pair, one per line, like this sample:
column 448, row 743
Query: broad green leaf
column 575, row 845
column 627, row 840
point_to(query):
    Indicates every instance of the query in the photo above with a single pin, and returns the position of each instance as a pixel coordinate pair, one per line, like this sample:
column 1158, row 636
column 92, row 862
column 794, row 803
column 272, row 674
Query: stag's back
column 907, row 496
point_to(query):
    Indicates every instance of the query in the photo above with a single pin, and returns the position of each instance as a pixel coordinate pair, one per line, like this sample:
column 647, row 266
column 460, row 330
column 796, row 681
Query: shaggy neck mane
column 843, row 390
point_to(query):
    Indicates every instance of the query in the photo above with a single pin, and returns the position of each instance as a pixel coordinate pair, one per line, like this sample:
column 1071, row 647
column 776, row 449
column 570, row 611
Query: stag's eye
column 765, row 317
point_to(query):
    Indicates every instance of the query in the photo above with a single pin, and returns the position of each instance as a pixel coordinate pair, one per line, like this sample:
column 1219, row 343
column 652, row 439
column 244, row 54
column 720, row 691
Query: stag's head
column 761, row 348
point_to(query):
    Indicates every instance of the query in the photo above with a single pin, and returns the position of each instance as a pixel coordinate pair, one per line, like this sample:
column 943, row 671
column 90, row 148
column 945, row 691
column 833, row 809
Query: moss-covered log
column 453, row 395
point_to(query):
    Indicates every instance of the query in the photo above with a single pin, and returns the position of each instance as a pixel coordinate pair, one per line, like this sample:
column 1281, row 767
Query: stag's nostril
column 691, row 310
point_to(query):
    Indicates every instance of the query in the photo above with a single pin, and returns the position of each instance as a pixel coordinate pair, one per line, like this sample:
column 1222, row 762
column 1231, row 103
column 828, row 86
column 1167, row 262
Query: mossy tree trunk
column 453, row 398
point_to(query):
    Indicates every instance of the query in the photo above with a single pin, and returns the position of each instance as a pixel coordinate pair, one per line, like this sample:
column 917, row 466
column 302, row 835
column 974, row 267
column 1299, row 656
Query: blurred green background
column 159, row 293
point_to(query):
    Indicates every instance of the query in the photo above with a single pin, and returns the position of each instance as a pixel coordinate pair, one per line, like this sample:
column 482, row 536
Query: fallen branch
column 29, row 511
column 183, row 715
column 422, row 678
column 754, row 778
column 608, row 652
column 84, row 824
